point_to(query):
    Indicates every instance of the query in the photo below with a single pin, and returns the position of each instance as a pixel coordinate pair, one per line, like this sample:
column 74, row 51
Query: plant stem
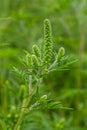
column 19, row 120
column 30, row 85
column 26, row 102
column 54, row 63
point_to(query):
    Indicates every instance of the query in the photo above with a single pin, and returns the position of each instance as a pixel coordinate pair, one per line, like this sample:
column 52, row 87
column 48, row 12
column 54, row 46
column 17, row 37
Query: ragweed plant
column 37, row 65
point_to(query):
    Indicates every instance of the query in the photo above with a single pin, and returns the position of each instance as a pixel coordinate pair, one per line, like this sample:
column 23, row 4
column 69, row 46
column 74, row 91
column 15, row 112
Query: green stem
column 26, row 103
column 19, row 120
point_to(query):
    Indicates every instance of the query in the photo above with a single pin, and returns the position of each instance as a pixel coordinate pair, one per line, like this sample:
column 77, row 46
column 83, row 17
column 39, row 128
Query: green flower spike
column 35, row 62
column 36, row 50
column 48, row 49
column 60, row 53
column 28, row 60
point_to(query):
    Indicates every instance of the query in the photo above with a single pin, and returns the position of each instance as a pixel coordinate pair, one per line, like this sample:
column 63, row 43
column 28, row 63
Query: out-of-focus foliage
column 20, row 27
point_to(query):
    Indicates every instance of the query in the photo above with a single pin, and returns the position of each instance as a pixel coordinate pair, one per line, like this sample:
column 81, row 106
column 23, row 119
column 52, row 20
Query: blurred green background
column 21, row 26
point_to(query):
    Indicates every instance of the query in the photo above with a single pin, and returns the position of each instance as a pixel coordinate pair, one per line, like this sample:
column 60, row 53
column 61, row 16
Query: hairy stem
column 26, row 102
column 30, row 85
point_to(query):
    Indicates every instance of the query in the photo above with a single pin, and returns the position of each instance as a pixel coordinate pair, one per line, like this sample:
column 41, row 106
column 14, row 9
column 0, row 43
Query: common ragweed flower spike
column 35, row 62
column 28, row 60
column 60, row 54
column 48, row 48
column 36, row 50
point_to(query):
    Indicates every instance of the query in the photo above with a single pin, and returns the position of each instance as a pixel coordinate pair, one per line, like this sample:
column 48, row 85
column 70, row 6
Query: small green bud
column 36, row 50
column 60, row 53
column 43, row 98
column 35, row 62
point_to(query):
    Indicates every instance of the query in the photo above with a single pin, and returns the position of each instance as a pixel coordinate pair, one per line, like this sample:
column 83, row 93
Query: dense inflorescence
column 48, row 43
